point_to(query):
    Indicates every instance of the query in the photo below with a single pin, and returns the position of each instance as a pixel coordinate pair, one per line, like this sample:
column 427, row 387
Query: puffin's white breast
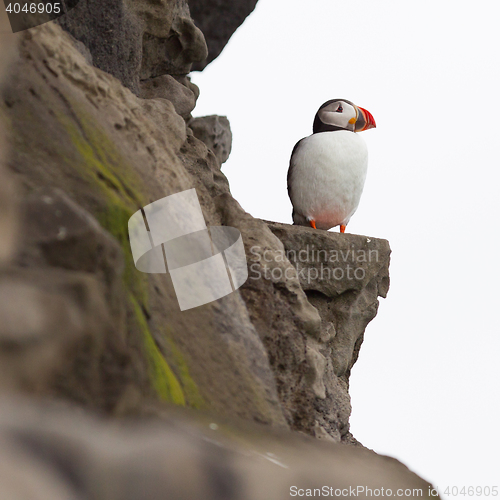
column 328, row 172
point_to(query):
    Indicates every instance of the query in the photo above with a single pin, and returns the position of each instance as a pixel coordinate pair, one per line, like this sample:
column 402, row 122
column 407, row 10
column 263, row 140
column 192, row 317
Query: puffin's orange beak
column 364, row 121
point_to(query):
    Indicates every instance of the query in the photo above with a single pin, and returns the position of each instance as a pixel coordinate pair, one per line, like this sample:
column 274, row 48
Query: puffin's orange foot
column 342, row 228
column 313, row 223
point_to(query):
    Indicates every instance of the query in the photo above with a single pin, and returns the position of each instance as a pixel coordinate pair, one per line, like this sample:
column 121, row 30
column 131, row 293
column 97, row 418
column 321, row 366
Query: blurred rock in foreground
column 70, row 456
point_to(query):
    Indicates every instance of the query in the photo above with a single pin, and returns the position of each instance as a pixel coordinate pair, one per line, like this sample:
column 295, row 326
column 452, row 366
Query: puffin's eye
column 340, row 109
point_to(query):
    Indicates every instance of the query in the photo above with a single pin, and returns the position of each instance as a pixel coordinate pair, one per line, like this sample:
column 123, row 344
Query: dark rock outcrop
column 218, row 20
column 112, row 34
column 137, row 40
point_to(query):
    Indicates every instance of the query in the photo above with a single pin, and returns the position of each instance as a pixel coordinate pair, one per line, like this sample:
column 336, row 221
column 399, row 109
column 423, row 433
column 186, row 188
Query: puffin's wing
column 290, row 170
column 289, row 179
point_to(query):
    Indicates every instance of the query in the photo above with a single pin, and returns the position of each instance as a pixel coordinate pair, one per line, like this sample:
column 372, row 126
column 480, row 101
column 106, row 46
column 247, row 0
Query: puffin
column 328, row 168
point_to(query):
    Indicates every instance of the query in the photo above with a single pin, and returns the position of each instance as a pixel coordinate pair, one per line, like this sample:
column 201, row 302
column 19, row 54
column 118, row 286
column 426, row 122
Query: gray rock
column 312, row 325
column 59, row 233
column 57, row 337
column 215, row 132
column 84, row 51
column 134, row 40
column 63, row 313
column 174, row 53
column 342, row 275
column 218, row 20
column 167, row 87
column 49, row 449
column 8, row 44
column 112, row 33
column 112, row 153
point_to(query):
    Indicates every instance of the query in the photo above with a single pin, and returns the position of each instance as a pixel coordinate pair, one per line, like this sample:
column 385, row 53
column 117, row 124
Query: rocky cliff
column 97, row 118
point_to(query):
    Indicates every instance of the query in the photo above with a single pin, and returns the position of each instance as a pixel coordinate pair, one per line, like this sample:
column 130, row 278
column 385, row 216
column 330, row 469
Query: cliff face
column 97, row 121
column 218, row 20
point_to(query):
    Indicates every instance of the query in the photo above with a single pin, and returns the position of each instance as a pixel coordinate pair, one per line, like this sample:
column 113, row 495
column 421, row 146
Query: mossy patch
column 162, row 377
column 191, row 391
column 100, row 163
column 121, row 189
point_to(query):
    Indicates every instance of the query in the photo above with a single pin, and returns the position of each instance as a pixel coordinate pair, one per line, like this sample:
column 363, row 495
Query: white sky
column 426, row 386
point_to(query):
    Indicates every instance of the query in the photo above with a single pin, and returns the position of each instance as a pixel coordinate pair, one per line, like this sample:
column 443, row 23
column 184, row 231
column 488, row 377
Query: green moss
column 162, row 377
column 193, row 396
column 115, row 220
column 104, row 161
column 97, row 160
column 105, row 168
